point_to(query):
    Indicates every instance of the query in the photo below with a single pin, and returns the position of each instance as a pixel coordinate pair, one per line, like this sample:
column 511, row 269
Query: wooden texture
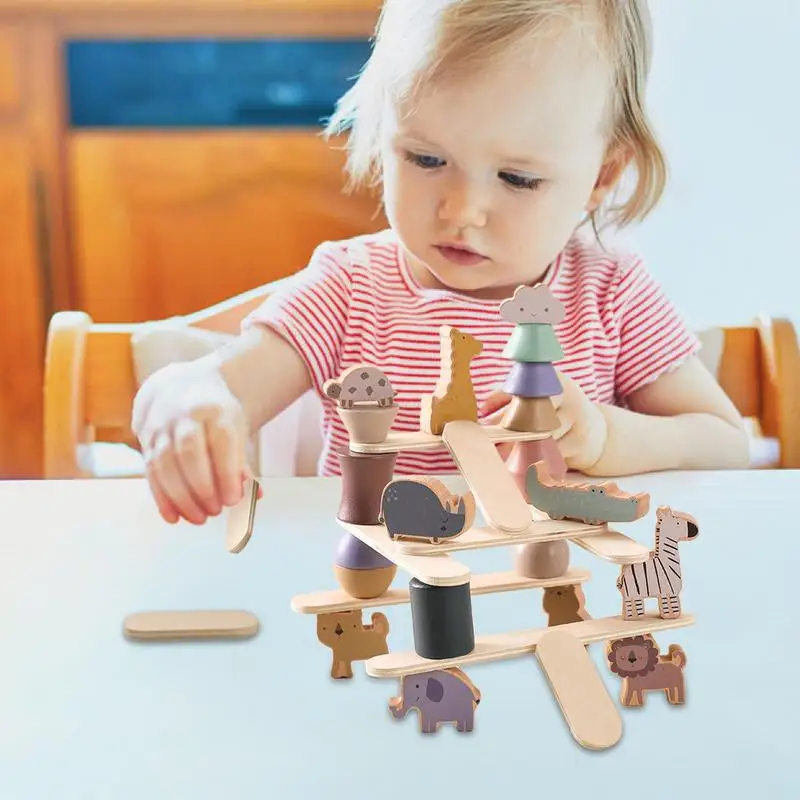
column 487, row 583
column 496, row 494
column 579, row 689
column 420, row 440
column 436, row 570
column 21, row 315
column 482, row 536
column 10, row 69
column 165, row 224
column 179, row 625
column 500, row 646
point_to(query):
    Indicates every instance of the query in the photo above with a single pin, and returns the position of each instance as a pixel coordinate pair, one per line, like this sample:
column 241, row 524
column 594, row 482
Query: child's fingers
column 163, row 462
column 193, row 459
column 493, row 405
column 165, row 506
column 226, row 446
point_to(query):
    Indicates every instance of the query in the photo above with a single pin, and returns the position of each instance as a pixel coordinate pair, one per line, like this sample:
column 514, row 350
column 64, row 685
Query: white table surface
column 86, row 714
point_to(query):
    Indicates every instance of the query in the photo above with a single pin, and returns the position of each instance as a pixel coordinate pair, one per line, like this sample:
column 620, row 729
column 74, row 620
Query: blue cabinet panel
column 209, row 83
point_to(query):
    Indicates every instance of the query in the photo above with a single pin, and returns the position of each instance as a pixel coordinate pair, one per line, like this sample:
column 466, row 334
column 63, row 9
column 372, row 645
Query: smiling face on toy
column 532, row 304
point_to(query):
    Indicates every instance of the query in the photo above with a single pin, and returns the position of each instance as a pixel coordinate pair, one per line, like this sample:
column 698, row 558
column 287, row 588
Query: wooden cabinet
column 167, row 224
column 131, row 222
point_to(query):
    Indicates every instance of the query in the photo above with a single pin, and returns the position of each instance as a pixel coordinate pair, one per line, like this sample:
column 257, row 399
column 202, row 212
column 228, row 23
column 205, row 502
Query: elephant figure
column 443, row 695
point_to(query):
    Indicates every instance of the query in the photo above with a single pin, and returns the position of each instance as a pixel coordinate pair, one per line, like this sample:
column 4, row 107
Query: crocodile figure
column 592, row 504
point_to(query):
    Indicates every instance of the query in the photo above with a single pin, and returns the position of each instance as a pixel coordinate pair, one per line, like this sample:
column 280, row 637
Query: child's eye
column 521, row 181
column 421, row 160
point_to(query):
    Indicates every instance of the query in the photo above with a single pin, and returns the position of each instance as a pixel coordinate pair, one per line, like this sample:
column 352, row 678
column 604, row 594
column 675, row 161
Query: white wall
column 725, row 100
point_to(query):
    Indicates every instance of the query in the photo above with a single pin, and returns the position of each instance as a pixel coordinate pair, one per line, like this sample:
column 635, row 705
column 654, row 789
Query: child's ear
column 611, row 171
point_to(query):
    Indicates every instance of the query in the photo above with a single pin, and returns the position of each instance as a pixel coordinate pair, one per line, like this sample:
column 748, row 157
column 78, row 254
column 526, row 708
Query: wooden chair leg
column 65, row 428
column 780, row 360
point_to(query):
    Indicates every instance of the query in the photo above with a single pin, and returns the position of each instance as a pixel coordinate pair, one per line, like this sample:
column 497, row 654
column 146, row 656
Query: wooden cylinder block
column 442, row 620
column 535, row 414
column 364, row 477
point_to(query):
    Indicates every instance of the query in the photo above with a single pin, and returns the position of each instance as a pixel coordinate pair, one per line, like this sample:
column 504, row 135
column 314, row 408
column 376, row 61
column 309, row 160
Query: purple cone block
column 352, row 553
column 532, row 379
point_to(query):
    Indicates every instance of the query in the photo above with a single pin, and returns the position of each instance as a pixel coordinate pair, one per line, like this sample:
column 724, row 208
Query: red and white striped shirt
column 357, row 301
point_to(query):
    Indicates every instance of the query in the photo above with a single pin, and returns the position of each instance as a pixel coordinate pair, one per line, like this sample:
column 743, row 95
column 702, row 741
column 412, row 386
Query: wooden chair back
column 90, row 380
column 90, row 384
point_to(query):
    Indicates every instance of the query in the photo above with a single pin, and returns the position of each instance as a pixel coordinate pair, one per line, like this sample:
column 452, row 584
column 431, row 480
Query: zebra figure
column 660, row 576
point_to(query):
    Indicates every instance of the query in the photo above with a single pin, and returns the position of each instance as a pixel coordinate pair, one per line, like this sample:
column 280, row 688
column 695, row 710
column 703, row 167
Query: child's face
column 504, row 162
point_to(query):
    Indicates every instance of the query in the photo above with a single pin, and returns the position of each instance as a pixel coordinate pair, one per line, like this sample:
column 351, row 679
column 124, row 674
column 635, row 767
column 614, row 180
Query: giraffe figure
column 659, row 577
column 454, row 397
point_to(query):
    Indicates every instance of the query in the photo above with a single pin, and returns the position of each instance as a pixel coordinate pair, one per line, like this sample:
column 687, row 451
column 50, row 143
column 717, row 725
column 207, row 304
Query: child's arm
column 682, row 420
column 193, row 420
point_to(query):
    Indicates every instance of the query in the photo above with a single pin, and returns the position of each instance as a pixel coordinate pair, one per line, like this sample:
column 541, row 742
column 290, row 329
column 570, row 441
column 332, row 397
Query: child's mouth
column 460, row 255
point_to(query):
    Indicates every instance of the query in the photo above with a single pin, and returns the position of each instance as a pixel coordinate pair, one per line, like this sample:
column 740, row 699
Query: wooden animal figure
column 637, row 661
column 660, row 576
column 351, row 640
column 423, row 508
column 439, row 696
column 564, row 604
column 454, row 397
column 361, row 384
column 593, row 504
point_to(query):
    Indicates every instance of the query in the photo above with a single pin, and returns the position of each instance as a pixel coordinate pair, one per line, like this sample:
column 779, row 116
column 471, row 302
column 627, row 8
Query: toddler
column 499, row 131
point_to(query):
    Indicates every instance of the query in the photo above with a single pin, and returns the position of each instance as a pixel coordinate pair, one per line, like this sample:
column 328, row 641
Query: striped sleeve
column 310, row 311
column 653, row 337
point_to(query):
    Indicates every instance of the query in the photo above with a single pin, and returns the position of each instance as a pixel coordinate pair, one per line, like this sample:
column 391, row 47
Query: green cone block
column 533, row 342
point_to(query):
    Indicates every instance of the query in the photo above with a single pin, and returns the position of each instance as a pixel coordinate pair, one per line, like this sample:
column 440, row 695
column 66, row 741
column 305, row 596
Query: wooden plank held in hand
column 492, row 485
column 241, row 518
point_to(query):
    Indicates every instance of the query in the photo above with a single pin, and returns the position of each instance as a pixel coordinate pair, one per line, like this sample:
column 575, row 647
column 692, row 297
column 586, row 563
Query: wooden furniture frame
column 89, row 382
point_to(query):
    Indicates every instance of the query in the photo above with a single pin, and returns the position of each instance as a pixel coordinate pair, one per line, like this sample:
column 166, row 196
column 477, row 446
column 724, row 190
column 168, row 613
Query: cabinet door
column 168, row 223
column 22, row 321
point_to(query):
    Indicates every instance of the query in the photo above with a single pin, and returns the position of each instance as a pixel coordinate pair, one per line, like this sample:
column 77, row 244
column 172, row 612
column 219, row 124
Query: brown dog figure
column 637, row 661
column 351, row 640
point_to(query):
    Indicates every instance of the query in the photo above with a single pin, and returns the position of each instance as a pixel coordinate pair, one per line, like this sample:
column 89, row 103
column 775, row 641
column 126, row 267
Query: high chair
column 92, row 372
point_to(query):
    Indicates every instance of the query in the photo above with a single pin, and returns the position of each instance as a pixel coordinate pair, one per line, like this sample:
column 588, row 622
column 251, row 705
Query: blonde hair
column 417, row 40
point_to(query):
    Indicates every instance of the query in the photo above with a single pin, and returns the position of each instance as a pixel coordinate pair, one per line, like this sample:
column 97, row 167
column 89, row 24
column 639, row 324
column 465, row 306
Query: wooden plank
column 590, row 713
column 613, row 546
column 437, row 570
column 497, row 647
column 486, row 536
column 419, row 440
column 328, row 602
column 496, row 493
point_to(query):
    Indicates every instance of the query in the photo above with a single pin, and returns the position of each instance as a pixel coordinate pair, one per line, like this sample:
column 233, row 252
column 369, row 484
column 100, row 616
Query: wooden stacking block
column 531, row 414
column 533, row 342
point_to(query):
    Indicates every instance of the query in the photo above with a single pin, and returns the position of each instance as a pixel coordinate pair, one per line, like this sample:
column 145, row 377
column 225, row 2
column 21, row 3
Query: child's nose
column 463, row 205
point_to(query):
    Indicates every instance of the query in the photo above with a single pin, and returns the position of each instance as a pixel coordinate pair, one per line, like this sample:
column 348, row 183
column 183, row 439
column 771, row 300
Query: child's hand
column 193, row 436
column 582, row 432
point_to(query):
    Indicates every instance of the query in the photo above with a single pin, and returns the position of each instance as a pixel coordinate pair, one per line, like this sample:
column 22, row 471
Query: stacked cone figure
column 532, row 381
